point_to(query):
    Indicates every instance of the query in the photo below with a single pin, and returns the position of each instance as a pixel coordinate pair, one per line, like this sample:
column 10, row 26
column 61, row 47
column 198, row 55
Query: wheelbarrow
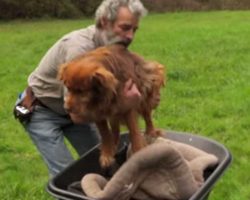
column 60, row 186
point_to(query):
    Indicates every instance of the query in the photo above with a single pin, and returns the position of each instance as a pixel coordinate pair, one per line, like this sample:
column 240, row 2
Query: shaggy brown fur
column 95, row 83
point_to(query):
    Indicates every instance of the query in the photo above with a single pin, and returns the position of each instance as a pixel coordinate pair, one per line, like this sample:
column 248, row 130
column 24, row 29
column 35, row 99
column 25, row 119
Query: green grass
column 207, row 57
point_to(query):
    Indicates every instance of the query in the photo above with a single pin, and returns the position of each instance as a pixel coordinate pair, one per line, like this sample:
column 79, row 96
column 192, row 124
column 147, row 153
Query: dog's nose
column 67, row 108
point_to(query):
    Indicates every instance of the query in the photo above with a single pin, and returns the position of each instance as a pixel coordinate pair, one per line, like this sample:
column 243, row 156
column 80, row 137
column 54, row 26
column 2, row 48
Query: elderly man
column 116, row 22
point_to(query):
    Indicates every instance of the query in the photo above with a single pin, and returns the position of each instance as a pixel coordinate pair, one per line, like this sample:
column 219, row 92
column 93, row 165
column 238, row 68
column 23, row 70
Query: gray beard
column 108, row 38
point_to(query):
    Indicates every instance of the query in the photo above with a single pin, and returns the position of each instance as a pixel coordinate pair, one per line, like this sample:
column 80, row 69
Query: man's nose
column 130, row 35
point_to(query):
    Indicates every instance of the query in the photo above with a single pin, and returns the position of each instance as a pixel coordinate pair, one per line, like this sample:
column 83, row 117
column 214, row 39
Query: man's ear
column 104, row 22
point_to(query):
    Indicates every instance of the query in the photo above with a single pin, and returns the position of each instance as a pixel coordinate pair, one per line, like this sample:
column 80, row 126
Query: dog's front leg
column 151, row 131
column 108, row 146
column 115, row 128
column 136, row 138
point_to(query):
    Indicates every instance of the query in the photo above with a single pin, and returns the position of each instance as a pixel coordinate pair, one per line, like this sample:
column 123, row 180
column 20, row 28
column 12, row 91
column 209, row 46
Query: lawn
column 207, row 57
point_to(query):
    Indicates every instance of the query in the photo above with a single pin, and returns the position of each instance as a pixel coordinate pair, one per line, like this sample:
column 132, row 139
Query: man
column 116, row 22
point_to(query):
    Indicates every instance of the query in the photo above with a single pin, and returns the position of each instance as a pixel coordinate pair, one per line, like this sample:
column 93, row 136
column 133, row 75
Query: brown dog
column 95, row 83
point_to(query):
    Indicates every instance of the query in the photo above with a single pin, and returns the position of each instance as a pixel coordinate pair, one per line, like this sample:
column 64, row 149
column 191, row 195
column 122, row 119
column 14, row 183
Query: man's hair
column 108, row 9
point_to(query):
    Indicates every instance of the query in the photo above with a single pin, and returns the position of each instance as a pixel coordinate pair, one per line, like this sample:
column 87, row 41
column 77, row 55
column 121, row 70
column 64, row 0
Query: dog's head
column 90, row 87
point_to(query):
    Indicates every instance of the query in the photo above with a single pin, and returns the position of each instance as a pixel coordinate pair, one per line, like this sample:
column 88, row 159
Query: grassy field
column 207, row 56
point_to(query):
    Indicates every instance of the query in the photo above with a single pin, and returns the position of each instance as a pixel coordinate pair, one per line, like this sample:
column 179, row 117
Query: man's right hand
column 131, row 94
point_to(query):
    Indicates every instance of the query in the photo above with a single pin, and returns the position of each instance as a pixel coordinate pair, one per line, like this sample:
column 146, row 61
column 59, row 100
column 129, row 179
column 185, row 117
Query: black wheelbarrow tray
column 88, row 163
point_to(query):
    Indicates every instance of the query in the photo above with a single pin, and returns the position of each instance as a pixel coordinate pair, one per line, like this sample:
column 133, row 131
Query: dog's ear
column 104, row 79
column 75, row 75
column 62, row 73
column 81, row 76
column 67, row 74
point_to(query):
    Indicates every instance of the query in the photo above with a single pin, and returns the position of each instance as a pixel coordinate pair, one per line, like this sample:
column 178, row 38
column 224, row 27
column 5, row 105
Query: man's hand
column 131, row 94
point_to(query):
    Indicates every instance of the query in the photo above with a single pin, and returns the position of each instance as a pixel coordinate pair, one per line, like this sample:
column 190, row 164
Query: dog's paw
column 158, row 133
column 155, row 133
column 139, row 144
column 106, row 161
column 152, row 135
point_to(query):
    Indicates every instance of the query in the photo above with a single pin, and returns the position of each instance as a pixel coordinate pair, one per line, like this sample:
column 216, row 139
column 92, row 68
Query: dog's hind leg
column 108, row 146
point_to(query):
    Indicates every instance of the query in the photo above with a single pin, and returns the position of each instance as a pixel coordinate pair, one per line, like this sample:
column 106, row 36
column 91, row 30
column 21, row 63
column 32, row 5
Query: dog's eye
column 78, row 91
column 97, row 89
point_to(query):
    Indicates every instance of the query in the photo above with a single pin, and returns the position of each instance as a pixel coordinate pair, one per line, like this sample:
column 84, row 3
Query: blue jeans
column 47, row 130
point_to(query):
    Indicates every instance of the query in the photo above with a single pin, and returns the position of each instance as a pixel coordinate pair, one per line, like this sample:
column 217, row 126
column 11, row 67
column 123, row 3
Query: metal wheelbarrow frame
column 89, row 163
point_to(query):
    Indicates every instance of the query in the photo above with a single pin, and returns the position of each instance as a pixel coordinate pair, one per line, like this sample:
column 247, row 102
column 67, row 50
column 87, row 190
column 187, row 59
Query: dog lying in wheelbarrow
column 95, row 83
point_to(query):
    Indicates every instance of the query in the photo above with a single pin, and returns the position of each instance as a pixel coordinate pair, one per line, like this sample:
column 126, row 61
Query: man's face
column 123, row 29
